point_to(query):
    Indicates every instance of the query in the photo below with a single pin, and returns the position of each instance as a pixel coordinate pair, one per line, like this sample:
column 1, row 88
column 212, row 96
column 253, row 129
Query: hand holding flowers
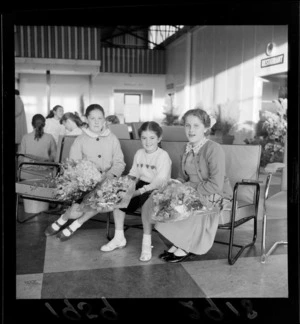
column 111, row 194
column 77, row 178
column 177, row 201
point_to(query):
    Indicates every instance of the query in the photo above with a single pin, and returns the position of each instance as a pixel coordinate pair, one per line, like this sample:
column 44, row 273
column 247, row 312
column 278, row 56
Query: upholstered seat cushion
column 276, row 206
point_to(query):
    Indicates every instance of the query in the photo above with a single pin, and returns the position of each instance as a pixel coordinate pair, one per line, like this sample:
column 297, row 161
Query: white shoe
column 113, row 244
column 146, row 254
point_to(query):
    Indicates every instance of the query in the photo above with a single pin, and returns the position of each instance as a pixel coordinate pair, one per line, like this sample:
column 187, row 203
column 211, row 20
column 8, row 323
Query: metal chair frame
column 234, row 224
column 32, row 197
column 264, row 254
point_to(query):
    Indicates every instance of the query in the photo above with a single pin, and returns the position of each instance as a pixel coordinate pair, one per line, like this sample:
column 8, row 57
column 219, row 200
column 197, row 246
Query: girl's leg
column 147, row 208
column 55, row 227
column 119, row 240
column 78, row 222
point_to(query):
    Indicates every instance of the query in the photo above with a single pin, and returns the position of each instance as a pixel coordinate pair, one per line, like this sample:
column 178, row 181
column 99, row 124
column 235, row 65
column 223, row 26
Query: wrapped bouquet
column 176, row 201
column 76, row 179
column 111, row 194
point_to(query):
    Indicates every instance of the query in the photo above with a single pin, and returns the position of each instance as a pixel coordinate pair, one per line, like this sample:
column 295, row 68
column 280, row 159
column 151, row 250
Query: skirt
column 138, row 201
column 195, row 234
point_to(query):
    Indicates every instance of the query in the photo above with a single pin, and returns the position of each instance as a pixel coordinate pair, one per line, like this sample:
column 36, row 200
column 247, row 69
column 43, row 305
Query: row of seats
column 242, row 162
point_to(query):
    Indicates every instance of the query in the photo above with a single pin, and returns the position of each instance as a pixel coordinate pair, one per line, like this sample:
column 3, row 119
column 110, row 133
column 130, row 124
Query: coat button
column 99, row 156
column 97, row 139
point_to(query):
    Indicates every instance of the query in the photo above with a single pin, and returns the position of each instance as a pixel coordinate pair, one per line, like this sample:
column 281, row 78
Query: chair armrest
column 252, row 181
column 55, row 164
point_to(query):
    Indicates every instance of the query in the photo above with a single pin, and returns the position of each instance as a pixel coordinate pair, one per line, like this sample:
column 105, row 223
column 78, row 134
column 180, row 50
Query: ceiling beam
column 122, row 33
column 137, row 36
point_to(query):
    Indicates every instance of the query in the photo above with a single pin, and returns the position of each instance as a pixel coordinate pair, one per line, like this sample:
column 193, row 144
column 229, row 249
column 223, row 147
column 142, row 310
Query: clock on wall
column 269, row 49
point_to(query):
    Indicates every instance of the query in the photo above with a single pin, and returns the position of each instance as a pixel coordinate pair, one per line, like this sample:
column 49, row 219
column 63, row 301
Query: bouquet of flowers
column 77, row 178
column 111, row 194
column 176, row 202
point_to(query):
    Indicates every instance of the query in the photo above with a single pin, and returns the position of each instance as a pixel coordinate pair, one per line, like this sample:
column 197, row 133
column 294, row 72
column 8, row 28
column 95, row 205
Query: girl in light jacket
column 100, row 146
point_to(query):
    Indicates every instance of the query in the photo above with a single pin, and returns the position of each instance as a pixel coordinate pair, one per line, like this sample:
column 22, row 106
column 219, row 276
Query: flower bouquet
column 77, row 178
column 175, row 202
column 111, row 194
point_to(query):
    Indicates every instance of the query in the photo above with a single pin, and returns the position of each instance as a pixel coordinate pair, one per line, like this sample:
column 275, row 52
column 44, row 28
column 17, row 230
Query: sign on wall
column 272, row 61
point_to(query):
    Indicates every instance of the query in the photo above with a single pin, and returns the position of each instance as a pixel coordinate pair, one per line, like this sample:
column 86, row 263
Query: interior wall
column 105, row 84
column 226, row 71
column 76, row 92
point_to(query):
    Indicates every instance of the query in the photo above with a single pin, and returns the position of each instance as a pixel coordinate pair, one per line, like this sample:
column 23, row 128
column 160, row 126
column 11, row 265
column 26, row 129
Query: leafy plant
column 272, row 142
column 226, row 117
column 171, row 117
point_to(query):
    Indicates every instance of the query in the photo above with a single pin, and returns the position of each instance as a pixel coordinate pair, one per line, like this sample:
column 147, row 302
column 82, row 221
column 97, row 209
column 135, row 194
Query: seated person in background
column 112, row 119
column 203, row 168
column 53, row 125
column 99, row 145
column 37, row 145
column 151, row 168
column 73, row 124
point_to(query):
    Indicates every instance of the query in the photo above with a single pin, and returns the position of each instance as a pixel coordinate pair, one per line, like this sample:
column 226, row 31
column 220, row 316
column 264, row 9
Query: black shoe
column 174, row 258
column 165, row 254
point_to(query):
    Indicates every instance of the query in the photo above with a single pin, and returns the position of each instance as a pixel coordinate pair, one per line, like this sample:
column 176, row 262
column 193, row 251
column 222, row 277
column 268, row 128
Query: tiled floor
column 50, row 269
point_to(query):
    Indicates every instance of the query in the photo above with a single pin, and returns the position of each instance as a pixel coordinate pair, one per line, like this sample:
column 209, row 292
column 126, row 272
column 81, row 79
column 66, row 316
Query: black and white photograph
column 153, row 164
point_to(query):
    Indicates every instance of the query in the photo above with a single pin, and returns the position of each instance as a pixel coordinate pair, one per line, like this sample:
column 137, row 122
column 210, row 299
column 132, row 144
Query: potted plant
column 225, row 120
column 171, row 117
column 274, row 129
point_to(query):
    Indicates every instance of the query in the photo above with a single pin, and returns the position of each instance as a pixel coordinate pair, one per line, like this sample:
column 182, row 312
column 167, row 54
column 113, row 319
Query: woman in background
column 37, row 146
column 53, row 125
column 72, row 123
column 112, row 119
column 20, row 117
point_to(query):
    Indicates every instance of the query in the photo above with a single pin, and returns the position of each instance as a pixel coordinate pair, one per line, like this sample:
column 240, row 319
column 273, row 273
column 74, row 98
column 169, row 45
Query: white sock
column 119, row 235
column 146, row 239
column 172, row 249
column 74, row 226
column 61, row 221
column 180, row 252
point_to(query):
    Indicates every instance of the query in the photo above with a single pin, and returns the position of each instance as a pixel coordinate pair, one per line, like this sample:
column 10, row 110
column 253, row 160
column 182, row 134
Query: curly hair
column 201, row 114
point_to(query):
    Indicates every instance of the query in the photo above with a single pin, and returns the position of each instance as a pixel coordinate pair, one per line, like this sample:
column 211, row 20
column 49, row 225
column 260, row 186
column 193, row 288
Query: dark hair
column 151, row 126
column 38, row 123
column 74, row 117
column 113, row 119
column 93, row 107
column 51, row 113
column 200, row 113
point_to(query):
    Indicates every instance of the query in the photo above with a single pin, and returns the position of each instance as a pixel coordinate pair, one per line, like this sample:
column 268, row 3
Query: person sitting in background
column 73, row 124
column 20, row 126
column 151, row 168
column 53, row 125
column 99, row 145
column 112, row 119
column 37, row 145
